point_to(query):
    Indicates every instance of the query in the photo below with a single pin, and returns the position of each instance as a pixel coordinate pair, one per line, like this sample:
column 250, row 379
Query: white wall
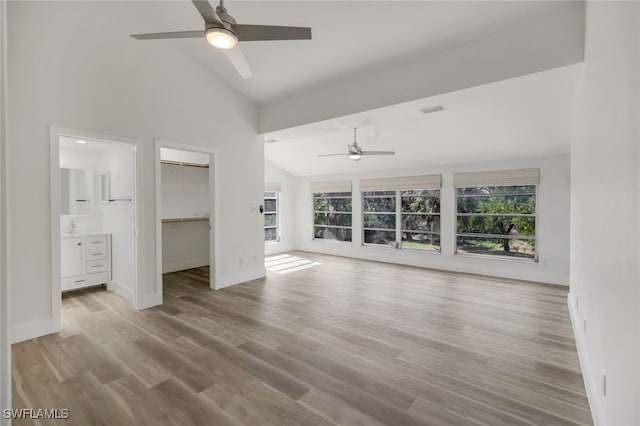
column 552, row 223
column 5, row 347
column 88, row 74
column 185, row 193
column 605, row 197
column 286, row 208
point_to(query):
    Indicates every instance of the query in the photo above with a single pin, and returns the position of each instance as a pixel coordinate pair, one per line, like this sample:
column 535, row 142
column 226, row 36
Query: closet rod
column 179, row 163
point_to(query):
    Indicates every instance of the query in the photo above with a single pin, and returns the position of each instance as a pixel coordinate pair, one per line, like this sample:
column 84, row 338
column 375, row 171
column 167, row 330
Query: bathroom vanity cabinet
column 85, row 260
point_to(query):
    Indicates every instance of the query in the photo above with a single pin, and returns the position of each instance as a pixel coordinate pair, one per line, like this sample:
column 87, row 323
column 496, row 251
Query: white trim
column 184, row 264
column 592, row 391
column 137, row 145
column 214, row 179
column 5, row 338
column 22, row 332
column 240, row 277
column 121, row 290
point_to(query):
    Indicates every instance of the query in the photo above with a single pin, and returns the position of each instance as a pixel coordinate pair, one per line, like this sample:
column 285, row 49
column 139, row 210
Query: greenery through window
column 379, row 217
column 332, row 216
column 415, row 226
column 421, row 219
column 497, row 220
column 271, row 216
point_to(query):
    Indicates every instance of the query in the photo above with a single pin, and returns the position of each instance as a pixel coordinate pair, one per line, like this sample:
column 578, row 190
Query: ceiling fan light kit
column 221, row 38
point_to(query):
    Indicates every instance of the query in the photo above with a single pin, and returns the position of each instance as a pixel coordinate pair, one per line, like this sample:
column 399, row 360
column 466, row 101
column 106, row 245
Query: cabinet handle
column 79, row 244
column 96, row 254
column 97, row 266
column 96, row 242
column 79, row 281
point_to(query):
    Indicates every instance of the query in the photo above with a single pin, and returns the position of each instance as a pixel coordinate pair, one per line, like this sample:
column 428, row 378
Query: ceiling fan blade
column 331, row 155
column 237, row 59
column 207, row 11
column 271, row 32
column 378, row 152
column 176, row 34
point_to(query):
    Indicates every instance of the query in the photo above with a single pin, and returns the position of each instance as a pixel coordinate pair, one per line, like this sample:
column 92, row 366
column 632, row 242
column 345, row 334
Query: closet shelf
column 185, row 219
column 179, row 163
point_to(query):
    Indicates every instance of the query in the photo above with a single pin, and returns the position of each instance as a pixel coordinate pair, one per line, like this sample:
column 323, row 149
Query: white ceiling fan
column 223, row 32
column 354, row 152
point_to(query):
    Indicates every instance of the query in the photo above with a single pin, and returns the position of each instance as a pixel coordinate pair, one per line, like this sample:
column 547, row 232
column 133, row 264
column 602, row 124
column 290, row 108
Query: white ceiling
column 521, row 117
column 348, row 36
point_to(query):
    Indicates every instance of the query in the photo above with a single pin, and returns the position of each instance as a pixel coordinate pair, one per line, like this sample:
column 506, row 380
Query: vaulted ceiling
column 348, row 36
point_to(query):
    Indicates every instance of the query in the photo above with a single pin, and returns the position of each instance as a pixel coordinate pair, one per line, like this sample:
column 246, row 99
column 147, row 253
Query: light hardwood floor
column 346, row 341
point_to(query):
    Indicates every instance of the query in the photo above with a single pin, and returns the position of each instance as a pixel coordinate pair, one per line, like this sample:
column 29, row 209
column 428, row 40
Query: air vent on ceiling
column 429, row 110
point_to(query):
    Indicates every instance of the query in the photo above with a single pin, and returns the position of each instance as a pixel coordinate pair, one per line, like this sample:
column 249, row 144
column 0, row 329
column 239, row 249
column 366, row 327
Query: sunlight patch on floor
column 286, row 263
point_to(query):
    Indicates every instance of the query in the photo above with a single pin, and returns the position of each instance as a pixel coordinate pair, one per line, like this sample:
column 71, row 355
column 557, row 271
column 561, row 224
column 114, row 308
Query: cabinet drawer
column 96, row 244
column 96, row 255
column 95, row 266
column 84, row 281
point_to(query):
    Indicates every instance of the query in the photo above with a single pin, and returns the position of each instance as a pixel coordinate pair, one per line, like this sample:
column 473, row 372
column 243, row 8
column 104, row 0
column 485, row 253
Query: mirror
column 76, row 192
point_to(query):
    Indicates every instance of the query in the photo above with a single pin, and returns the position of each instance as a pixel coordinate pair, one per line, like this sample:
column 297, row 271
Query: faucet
column 72, row 226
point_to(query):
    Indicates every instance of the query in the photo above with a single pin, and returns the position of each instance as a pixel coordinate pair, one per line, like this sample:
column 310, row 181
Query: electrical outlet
column 242, row 261
column 604, row 383
column 577, row 302
column 255, row 259
column 584, row 325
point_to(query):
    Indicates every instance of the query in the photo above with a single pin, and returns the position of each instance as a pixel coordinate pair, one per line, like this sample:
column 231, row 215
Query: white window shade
column 405, row 182
column 272, row 187
column 497, row 178
column 332, row 186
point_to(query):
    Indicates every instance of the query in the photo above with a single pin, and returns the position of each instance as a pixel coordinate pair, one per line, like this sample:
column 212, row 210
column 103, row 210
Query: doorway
column 185, row 212
column 94, row 216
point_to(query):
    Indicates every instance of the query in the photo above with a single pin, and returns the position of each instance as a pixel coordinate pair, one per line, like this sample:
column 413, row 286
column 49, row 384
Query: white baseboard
column 148, row 301
column 585, row 366
column 121, row 290
column 31, row 330
column 184, row 264
column 240, row 277
column 271, row 249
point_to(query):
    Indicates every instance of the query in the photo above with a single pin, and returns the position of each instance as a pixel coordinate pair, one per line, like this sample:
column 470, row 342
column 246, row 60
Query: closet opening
column 94, row 226
column 185, row 206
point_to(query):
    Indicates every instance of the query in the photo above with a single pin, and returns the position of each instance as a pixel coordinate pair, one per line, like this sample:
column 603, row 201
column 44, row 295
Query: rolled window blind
column 272, row 187
column 497, row 178
column 405, row 182
column 332, row 186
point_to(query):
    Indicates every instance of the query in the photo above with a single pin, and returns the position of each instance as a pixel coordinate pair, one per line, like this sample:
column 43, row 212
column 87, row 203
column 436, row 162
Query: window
column 414, row 225
column 379, row 217
column 497, row 220
column 271, row 216
column 420, row 219
column 332, row 216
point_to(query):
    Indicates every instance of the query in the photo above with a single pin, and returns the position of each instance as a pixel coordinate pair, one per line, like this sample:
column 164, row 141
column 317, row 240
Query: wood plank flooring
column 344, row 341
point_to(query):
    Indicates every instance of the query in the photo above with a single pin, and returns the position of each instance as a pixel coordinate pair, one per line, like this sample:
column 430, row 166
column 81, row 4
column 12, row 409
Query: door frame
column 137, row 146
column 214, row 192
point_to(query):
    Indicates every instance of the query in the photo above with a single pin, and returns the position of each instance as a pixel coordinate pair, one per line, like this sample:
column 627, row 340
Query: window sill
column 270, row 243
column 399, row 250
column 323, row 241
column 496, row 257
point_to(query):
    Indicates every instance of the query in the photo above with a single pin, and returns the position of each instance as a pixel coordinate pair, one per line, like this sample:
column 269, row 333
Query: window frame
column 498, row 256
column 398, row 230
column 277, row 214
column 314, row 211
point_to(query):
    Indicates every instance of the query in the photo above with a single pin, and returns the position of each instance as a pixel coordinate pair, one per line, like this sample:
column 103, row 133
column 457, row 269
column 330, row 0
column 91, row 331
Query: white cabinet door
column 71, row 257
